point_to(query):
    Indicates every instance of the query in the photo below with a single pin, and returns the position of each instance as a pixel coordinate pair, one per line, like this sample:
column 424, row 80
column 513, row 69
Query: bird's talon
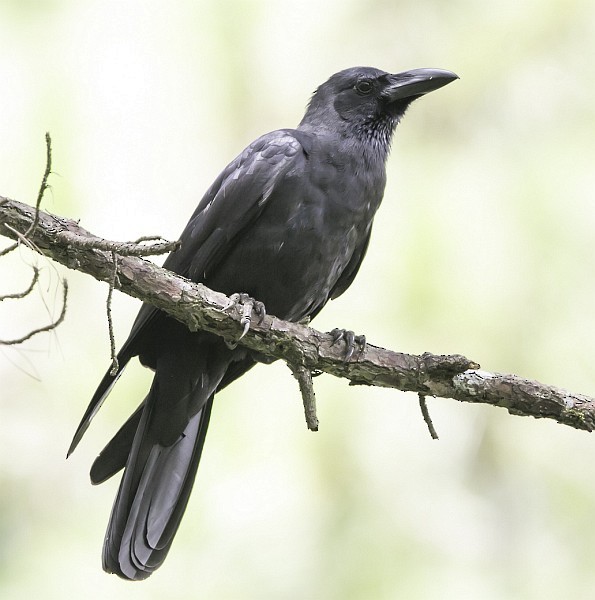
column 337, row 334
column 351, row 341
column 246, row 323
column 234, row 300
column 249, row 306
column 260, row 310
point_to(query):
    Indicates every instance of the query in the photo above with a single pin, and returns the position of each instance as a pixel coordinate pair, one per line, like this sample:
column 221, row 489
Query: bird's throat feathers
column 372, row 131
column 376, row 134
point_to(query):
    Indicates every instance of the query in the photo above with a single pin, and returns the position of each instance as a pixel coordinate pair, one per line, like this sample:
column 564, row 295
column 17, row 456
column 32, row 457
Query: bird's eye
column 363, row 87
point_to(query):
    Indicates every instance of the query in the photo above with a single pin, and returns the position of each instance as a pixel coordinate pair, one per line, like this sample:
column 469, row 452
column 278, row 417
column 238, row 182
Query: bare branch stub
column 426, row 415
column 110, row 323
column 304, row 378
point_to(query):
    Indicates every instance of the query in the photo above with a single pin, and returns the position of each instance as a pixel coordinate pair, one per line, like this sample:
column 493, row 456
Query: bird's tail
column 160, row 448
column 152, row 497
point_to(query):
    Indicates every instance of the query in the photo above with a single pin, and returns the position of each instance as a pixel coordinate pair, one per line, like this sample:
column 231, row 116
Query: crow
column 287, row 223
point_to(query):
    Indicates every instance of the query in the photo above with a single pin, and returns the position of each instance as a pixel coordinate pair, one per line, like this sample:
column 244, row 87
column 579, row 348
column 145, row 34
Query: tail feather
column 171, row 497
column 114, row 456
column 159, row 446
column 169, row 433
column 149, row 508
column 101, row 393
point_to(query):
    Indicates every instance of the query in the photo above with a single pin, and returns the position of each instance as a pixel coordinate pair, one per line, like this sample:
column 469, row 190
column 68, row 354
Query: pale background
column 483, row 246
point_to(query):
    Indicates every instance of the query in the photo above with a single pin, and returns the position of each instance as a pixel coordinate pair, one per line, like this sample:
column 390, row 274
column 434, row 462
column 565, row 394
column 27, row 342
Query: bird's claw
column 351, row 341
column 249, row 306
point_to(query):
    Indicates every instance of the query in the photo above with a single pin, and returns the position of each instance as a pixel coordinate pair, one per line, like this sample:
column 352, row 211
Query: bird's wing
column 234, row 201
column 230, row 205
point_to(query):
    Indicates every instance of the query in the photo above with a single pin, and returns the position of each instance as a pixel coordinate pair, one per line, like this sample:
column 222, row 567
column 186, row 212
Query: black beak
column 416, row 83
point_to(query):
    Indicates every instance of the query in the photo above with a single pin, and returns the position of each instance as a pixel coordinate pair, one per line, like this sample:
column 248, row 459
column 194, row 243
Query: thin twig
column 304, row 378
column 42, row 188
column 44, row 181
column 426, row 415
column 22, row 239
column 18, row 295
column 122, row 248
column 152, row 238
column 49, row 327
column 110, row 324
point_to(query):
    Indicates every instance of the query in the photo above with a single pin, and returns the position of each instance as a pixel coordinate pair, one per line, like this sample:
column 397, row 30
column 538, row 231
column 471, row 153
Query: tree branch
column 201, row 308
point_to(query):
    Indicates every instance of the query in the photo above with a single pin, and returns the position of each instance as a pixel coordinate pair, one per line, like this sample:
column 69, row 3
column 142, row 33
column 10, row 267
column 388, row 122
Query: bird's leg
column 249, row 305
column 350, row 339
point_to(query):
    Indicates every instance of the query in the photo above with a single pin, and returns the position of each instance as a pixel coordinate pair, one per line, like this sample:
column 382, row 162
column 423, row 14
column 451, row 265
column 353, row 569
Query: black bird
column 288, row 223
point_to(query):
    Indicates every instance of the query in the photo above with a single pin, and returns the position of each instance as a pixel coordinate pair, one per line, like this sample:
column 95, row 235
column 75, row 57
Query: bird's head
column 369, row 102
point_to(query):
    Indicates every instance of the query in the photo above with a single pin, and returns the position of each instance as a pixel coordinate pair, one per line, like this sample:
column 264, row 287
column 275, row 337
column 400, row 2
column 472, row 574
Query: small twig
column 110, row 324
column 116, row 249
column 49, row 327
column 304, row 377
column 26, row 239
column 122, row 248
column 152, row 238
column 22, row 239
column 42, row 188
column 44, row 181
column 18, row 295
column 426, row 415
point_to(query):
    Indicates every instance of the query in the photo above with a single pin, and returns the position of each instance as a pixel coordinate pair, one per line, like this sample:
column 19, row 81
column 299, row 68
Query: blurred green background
column 483, row 246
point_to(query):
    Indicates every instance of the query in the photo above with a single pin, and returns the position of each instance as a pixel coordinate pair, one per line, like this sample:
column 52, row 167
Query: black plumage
column 287, row 222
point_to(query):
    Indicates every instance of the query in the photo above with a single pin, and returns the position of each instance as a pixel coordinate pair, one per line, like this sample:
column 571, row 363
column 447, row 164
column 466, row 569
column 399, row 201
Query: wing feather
column 230, row 205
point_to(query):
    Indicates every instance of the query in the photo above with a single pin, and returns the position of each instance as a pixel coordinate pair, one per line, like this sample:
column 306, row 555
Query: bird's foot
column 249, row 306
column 351, row 341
